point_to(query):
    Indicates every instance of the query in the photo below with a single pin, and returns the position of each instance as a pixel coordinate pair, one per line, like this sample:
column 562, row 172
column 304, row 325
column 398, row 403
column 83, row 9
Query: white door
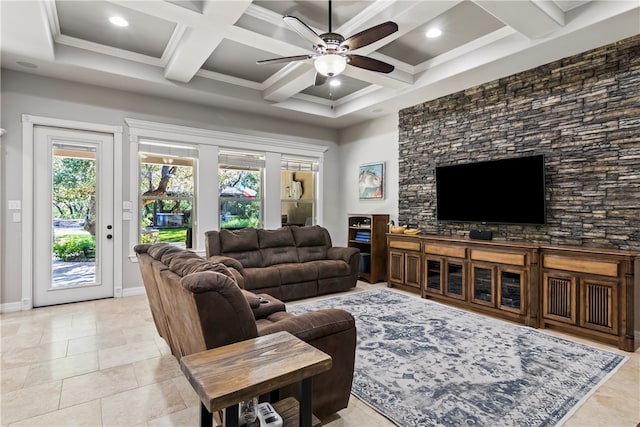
column 73, row 216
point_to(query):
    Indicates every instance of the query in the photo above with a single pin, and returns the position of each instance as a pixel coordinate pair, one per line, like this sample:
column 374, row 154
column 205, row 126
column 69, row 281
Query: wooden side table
column 225, row 376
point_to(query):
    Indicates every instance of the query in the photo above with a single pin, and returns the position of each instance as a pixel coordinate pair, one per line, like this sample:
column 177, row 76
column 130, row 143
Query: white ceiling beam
column 300, row 76
column 200, row 41
column 526, row 17
column 25, row 27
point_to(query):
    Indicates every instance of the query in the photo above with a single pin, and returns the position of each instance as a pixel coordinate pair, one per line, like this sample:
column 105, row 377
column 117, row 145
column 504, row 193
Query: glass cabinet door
column 511, row 290
column 455, row 279
column 434, row 276
column 482, row 285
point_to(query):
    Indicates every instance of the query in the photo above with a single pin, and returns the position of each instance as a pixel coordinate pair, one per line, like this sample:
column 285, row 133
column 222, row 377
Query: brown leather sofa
column 197, row 305
column 288, row 263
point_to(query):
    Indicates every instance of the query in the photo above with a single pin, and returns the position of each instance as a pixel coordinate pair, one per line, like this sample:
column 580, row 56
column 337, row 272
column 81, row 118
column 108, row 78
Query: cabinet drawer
column 405, row 245
column 498, row 257
column 601, row 268
column 451, row 251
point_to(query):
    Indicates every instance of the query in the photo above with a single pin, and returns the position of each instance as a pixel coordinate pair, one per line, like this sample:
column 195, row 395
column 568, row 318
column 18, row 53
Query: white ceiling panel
column 89, row 20
column 205, row 51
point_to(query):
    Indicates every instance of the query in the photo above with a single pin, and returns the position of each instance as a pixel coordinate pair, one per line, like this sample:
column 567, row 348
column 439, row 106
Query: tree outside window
column 240, row 197
column 166, row 199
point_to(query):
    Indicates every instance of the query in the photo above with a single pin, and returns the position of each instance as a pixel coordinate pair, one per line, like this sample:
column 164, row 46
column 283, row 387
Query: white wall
column 29, row 94
column 370, row 142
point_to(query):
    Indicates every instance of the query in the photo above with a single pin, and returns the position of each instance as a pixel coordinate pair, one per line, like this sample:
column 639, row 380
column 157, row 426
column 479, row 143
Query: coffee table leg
column 306, row 403
column 206, row 418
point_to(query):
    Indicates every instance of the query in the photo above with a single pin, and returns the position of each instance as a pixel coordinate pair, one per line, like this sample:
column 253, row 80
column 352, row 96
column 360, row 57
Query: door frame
column 28, row 123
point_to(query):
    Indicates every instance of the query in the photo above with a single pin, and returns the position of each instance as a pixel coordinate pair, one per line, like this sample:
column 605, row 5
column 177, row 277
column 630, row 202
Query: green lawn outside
column 172, row 235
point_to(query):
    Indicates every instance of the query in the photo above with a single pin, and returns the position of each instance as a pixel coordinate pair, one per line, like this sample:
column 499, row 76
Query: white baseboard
column 130, row 292
column 10, row 307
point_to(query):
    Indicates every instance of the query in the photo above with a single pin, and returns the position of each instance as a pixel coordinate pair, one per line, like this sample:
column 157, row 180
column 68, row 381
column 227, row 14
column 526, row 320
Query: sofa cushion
column 183, row 265
column 297, row 272
column 311, row 242
column 239, row 240
column 248, row 259
column 262, row 277
column 331, row 268
column 277, row 246
column 159, row 249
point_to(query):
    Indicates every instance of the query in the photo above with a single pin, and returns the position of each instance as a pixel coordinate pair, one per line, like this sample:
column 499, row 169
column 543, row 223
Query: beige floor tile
column 96, row 385
column 20, row 341
column 95, row 343
column 13, row 379
column 13, row 358
column 156, row 370
column 141, row 405
column 129, row 353
column 64, row 367
column 186, row 417
column 189, row 396
column 141, row 333
column 7, row 330
column 67, row 333
column 29, row 402
column 84, row 415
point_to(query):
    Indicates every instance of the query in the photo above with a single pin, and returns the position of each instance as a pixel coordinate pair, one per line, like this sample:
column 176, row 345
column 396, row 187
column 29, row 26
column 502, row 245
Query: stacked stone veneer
column 581, row 112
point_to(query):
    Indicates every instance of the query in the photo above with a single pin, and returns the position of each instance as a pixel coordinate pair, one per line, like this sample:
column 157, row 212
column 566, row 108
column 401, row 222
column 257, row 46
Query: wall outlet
column 17, row 217
column 127, row 206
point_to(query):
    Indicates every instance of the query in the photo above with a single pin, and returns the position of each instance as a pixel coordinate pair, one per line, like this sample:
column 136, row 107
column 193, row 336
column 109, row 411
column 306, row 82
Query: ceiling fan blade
column 370, row 64
column 320, row 79
column 370, row 35
column 304, row 30
column 285, row 59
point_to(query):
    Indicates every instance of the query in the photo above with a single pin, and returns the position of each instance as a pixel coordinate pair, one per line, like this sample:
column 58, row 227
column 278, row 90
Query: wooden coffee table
column 225, row 376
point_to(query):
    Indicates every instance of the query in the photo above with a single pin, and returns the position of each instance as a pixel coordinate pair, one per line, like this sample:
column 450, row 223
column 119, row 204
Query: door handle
column 109, row 236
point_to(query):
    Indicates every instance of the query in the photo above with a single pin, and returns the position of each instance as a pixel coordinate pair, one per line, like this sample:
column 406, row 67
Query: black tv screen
column 507, row 191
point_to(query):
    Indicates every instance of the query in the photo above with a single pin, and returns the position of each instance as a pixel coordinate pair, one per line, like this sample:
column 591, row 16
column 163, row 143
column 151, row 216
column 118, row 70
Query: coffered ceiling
column 206, row 51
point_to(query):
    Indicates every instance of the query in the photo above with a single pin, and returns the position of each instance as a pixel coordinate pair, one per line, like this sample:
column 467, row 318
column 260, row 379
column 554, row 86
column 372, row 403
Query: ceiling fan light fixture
column 119, row 21
column 434, row 33
column 330, row 64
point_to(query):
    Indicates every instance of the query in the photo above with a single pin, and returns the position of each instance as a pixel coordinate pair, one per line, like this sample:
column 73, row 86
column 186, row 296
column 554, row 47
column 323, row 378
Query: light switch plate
column 14, row 204
column 127, row 216
column 127, row 206
column 17, row 217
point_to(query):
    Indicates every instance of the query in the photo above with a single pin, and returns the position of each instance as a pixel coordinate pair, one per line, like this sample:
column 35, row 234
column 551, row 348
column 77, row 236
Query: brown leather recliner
column 197, row 305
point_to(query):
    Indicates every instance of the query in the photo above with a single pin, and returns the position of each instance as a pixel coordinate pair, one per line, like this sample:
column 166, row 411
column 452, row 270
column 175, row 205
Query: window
column 240, row 190
column 166, row 194
column 298, row 191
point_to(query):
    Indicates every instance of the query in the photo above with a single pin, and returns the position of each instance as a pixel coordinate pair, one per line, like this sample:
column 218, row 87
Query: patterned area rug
column 420, row 363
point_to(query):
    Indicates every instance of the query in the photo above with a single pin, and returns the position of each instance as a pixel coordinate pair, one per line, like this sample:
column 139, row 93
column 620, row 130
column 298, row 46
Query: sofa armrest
column 268, row 306
column 313, row 325
column 345, row 254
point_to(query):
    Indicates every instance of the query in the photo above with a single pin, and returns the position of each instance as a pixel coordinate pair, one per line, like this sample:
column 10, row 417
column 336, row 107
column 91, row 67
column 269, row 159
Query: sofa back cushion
column 277, row 246
column 312, row 242
column 242, row 245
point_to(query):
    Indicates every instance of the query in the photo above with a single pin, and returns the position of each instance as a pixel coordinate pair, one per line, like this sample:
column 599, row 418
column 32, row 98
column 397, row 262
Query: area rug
column 421, row 363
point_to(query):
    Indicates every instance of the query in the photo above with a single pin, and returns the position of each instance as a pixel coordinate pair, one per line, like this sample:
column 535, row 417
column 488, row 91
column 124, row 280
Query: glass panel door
column 73, row 216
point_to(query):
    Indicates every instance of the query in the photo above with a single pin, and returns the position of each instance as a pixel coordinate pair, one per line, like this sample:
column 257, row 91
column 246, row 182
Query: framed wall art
column 371, row 181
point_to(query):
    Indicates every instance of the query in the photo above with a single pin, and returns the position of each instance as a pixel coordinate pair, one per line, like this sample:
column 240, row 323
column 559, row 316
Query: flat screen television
column 506, row 191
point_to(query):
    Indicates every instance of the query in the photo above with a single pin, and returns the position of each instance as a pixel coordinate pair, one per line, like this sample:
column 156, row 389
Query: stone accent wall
column 581, row 112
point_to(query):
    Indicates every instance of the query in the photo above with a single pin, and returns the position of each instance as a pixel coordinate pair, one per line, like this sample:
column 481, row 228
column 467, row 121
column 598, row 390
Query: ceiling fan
column 333, row 51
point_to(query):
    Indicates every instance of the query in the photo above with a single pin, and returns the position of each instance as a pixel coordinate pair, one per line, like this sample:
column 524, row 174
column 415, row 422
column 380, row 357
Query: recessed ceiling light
column 26, row 64
column 119, row 21
column 335, row 82
column 434, row 32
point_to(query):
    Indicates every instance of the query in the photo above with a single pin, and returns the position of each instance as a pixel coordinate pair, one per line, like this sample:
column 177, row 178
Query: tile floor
column 101, row 363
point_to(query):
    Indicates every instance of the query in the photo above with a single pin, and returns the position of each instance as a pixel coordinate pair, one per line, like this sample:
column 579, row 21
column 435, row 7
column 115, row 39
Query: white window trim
column 209, row 143
column 28, row 123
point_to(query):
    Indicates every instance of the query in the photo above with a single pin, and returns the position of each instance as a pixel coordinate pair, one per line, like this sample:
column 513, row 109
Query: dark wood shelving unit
column 367, row 232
